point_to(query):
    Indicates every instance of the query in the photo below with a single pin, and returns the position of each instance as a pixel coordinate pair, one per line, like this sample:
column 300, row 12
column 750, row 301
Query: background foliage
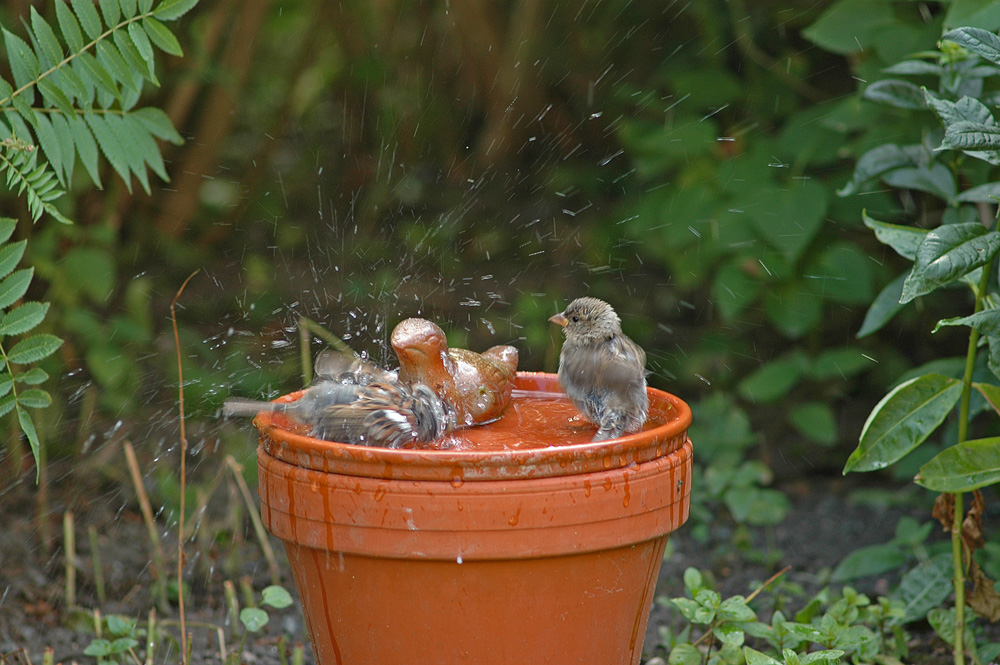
column 482, row 164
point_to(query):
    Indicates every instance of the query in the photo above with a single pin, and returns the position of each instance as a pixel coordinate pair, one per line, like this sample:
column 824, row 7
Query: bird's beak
column 559, row 319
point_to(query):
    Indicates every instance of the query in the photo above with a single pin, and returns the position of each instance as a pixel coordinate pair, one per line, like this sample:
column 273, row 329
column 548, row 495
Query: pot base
column 364, row 609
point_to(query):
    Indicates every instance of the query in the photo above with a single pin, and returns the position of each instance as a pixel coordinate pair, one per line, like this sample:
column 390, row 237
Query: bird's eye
column 576, row 319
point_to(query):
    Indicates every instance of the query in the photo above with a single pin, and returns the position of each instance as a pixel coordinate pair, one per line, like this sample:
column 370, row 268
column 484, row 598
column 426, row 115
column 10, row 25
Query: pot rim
column 359, row 460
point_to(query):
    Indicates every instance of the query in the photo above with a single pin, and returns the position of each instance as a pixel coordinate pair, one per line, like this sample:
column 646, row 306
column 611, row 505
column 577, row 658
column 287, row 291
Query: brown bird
column 601, row 369
column 476, row 386
column 390, row 414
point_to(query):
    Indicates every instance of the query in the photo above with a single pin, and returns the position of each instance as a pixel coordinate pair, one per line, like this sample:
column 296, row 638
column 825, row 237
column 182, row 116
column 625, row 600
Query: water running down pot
column 494, row 555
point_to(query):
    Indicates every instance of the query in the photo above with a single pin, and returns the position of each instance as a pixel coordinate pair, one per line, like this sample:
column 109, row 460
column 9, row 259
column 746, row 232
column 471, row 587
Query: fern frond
column 74, row 90
column 36, row 182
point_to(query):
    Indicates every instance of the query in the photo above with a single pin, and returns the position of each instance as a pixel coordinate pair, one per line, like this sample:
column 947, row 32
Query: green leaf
column 138, row 145
column 884, row 307
column 158, row 124
column 875, row 163
column 753, row 657
column 895, row 92
column 33, row 376
column 98, row 647
column 868, row 561
column 6, row 383
column 936, row 179
column 111, row 11
column 965, row 135
column 92, row 271
column 979, row 41
column 109, row 58
column 687, row 654
column 849, row 26
column 48, row 44
column 773, row 381
column 60, row 125
column 162, row 37
column 89, row 19
column 276, row 596
column 733, row 289
column 7, row 226
column 50, row 144
column 967, row 108
column 253, row 618
column 963, row 467
column 69, row 26
column 791, row 218
column 986, row 322
column 111, row 147
column 126, row 47
column 28, row 427
column 904, row 239
column 839, row 363
column 22, row 319
column 34, row 398
column 14, row 286
column 95, row 72
column 169, row 10
column 34, row 348
column 86, row 147
column 54, row 95
column 10, row 256
column 914, row 68
column 23, row 63
column 988, row 193
column 925, row 587
column 142, row 45
column 843, row 273
column 902, row 420
column 814, row 420
column 947, row 253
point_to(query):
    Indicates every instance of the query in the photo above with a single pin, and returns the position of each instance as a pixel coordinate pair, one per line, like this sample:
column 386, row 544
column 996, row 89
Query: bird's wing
column 620, row 364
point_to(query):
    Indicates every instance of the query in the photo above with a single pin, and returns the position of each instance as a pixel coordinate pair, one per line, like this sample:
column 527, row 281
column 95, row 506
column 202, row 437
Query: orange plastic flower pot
column 517, row 556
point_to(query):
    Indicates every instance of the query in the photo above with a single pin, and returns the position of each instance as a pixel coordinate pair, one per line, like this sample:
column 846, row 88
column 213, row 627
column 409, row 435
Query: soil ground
column 823, row 526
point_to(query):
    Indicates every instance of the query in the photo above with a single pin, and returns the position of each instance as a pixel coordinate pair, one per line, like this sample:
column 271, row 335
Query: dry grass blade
column 258, row 525
column 159, row 569
column 180, row 527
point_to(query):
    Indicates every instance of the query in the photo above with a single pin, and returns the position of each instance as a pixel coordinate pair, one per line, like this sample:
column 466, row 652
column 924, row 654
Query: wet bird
column 477, row 386
column 384, row 414
column 601, row 369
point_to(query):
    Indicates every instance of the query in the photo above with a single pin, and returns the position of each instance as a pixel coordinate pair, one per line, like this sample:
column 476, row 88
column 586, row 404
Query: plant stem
column 959, row 510
column 185, row 643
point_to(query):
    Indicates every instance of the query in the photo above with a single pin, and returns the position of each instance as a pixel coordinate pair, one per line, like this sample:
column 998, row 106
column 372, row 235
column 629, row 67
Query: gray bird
column 602, row 371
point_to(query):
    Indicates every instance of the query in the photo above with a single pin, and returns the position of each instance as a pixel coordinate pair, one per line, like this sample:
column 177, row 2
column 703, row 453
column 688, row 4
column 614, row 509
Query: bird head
column 588, row 320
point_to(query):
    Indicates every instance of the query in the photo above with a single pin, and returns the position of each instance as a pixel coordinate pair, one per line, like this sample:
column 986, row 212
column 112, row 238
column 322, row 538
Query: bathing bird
column 601, row 369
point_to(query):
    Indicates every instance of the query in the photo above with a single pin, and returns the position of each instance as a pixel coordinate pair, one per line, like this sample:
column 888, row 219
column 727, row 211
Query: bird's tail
column 240, row 407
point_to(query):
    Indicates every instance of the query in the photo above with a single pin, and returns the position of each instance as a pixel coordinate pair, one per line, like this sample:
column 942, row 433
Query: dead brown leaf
column 944, row 510
column 972, row 525
column 984, row 599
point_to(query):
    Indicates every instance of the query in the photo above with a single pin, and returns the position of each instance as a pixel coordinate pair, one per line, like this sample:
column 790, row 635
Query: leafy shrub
column 952, row 167
column 73, row 98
